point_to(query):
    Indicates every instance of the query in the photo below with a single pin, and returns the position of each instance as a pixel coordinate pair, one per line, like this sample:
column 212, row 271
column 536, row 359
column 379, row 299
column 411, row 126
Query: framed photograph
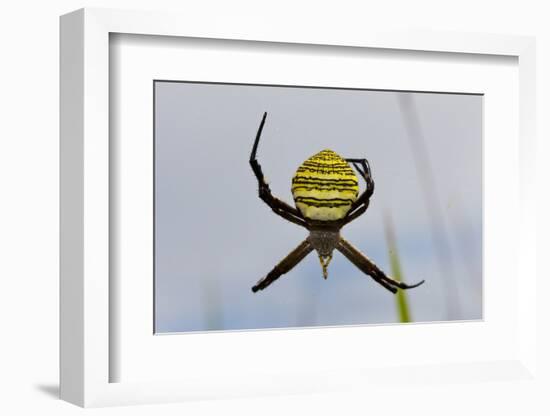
column 268, row 211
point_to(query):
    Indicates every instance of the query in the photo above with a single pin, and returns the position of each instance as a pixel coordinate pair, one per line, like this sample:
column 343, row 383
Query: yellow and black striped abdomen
column 324, row 187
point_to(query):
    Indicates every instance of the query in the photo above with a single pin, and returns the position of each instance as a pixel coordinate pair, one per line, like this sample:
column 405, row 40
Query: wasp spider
column 326, row 192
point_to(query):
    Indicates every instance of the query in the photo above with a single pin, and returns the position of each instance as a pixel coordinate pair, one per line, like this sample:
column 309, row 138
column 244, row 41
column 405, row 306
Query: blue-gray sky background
column 214, row 238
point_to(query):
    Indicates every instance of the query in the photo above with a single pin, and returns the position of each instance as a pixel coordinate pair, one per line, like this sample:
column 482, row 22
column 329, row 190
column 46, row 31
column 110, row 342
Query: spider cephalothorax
column 326, row 192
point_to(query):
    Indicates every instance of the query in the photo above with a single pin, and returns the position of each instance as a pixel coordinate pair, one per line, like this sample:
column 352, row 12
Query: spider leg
column 358, row 212
column 361, row 204
column 363, row 167
column 295, row 257
column 281, row 208
column 364, row 264
column 289, row 216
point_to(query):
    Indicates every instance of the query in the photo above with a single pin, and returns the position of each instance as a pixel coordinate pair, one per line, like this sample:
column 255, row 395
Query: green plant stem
column 403, row 309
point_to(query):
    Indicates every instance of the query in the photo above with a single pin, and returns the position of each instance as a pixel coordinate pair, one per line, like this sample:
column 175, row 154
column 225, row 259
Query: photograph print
column 291, row 207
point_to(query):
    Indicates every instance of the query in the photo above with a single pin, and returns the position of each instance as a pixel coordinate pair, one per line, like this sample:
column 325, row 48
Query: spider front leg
column 279, row 207
column 361, row 204
column 295, row 257
column 364, row 264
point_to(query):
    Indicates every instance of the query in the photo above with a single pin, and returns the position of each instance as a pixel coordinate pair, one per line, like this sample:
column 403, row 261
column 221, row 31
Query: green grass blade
column 403, row 309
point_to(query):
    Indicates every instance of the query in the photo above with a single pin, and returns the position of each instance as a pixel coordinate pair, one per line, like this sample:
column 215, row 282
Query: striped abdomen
column 324, row 187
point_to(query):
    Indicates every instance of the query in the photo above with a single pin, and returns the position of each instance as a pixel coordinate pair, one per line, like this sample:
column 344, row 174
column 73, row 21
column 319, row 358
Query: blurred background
column 214, row 238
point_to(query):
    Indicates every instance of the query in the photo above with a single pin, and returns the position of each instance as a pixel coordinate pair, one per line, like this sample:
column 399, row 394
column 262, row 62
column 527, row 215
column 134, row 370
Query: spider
column 326, row 194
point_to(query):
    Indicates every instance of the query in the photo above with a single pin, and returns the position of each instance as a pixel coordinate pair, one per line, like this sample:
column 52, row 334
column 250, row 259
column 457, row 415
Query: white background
column 29, row 209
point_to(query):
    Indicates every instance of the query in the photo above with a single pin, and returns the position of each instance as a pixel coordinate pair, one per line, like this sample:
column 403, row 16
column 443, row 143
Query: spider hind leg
column 362, row 202
column 280, row 208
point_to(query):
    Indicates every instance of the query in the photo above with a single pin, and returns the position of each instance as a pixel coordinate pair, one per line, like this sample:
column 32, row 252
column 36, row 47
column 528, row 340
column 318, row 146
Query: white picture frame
column 86, row 332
